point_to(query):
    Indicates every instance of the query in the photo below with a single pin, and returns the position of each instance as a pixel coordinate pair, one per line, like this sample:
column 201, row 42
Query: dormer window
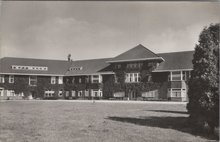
column 35, row 68
column 75, row 68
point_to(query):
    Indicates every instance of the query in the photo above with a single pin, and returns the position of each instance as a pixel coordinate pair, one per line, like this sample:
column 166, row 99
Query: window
column 60, row 93
column 75, row 68
column 96, row 78
column 73, row 93
column 116, row 78
column 33, row 80
column 11, row 93
column 80, row 80
column 2, row 79
column 179, row 75
column 53, row 79
column 117, row 66
column 38, row 68
column 134, row 65
column 87, row 79
column 1, row 92
column 49, row 93
column 96, row 93
column 87, row 93
column 132, row 77
column 60, row 80
column 177, row 92
column 11, row 79
column 80, row 94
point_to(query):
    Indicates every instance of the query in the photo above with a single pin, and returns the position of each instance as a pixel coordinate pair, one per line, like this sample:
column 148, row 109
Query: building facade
column 137, row 74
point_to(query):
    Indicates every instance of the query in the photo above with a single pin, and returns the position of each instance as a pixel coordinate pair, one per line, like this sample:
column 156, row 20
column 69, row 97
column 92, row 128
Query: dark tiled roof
column 92, row 66
column 137, row 53
column 176, row 60
column 58, row 67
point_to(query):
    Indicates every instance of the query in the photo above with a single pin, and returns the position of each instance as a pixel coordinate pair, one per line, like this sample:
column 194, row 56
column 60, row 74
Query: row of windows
column 75, row 68
column 53, row 80
column 11, row 79
column 94, row 79
column 179, row 75
column 36, row 68
column 177, row 92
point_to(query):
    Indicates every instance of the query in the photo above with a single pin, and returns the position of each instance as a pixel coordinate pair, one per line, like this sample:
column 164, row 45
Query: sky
column 95, row 29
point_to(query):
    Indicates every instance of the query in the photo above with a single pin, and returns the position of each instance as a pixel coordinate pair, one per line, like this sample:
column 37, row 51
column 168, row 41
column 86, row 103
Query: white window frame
column 11, row 79
column 60, row 80
column 97, row 79
column 132, row 77
column 80, row 92
column 98, row 91
column 182, row 76
column 53, row 80
column 31, row 79
column 2, row 79
column 49, row 93
column 171, row 92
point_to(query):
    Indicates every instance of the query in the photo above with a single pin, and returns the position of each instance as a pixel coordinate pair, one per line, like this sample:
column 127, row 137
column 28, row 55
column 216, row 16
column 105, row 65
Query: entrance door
column 132, row 95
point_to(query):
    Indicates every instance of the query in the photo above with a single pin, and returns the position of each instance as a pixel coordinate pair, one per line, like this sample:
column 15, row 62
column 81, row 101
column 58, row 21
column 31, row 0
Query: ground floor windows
column 150, row 94
column 96, row 93
column 73, row 93
column 119, row 94
column 49, row 93
column 80, row 93
column 60, row 93
column 176, row 92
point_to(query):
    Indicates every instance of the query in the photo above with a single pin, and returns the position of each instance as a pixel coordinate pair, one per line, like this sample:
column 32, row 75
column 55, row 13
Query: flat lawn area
column 65, row 121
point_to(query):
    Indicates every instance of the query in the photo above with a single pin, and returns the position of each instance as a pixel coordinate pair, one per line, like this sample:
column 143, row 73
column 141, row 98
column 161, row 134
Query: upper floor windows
column 134, row 65
column 132, row 77
column 60, row 80
column 33, row 80
column 179, row 75
column 11, row 79
column 2, row 79
column 53, row 80
column 96, row 78
column 117, row 66
column 36, row 68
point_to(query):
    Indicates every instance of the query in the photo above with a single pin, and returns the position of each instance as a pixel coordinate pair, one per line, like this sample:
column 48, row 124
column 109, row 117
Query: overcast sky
column 52, row 29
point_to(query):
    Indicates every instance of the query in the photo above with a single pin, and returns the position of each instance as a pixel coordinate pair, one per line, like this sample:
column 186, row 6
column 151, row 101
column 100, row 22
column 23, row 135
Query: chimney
column 69, row 57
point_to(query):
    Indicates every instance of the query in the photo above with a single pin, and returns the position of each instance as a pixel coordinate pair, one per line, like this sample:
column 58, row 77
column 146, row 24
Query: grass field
column 65, row 121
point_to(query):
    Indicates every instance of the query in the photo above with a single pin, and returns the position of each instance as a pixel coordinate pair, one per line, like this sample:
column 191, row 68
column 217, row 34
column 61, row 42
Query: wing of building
column 135, row 74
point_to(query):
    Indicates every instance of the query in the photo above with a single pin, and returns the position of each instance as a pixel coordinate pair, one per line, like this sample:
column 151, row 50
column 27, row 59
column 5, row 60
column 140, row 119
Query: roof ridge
column 148, row 49
column 31, row 58
column 176, row 52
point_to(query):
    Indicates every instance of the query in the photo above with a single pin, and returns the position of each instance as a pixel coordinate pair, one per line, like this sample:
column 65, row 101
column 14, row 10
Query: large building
column 135, row 74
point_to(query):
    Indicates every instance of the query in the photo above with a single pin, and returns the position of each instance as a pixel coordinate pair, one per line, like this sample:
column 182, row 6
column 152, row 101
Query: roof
column 137, row 53
column 173, row 61
column 88, row 67
column 56, row 67
column 176, row 61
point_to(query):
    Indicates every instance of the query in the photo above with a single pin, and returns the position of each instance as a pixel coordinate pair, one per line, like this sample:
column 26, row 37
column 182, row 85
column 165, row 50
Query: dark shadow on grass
column 176, row 123
column 169, row 111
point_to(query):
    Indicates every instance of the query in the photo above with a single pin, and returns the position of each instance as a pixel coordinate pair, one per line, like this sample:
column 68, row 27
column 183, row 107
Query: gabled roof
column 176, row 61
column 88, row 67
column 138, row 53
column 55, row 67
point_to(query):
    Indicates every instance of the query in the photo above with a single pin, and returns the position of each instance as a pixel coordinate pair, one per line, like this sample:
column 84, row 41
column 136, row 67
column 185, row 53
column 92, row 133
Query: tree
column 203, row 93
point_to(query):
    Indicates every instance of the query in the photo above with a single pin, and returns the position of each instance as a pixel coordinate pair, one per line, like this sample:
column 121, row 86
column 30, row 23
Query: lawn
column 66, row 121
